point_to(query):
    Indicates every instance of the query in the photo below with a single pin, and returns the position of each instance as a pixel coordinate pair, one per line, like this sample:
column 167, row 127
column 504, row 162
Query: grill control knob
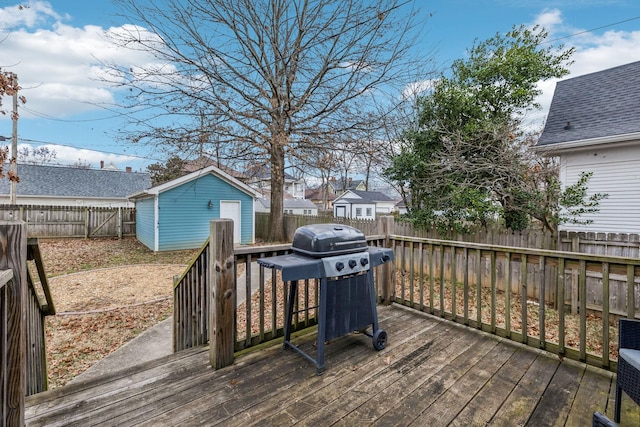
column 353, row 263
column 339, row 266
column 364, row 261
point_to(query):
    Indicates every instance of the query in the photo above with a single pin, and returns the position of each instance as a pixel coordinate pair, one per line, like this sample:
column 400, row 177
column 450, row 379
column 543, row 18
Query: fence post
column 223, row 294
column 386, row 227
column 13, row 256
column 119, row 225
column 575, row 247
column 87, row 213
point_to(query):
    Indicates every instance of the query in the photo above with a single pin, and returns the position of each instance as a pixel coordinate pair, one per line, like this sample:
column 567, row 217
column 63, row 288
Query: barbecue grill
column 339, row 257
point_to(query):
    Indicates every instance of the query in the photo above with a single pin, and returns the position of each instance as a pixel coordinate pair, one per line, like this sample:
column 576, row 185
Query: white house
column 291, row 206
column 362, row 204
column 594, row 126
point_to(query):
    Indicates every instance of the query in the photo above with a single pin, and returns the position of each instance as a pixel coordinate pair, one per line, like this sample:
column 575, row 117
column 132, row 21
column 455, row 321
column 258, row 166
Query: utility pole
column 14, row 142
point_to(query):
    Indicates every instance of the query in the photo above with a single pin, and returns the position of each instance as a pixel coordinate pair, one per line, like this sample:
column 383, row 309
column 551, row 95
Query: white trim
column 588, row 143
column 156, row 224
column 194, row 175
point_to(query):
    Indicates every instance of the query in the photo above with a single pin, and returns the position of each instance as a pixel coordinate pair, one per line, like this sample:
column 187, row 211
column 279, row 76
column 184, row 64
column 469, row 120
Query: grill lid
column 321, row 240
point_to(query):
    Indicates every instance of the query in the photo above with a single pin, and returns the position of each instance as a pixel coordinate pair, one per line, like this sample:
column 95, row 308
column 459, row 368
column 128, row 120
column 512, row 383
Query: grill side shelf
column 294, row 267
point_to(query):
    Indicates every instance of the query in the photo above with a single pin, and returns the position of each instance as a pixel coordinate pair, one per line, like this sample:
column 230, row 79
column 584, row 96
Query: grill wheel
column 379, row 339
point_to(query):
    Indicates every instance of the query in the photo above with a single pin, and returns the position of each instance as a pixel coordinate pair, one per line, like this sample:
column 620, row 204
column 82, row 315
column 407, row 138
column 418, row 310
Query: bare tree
column 280, row 73
column 9, row 86
column 37, row 156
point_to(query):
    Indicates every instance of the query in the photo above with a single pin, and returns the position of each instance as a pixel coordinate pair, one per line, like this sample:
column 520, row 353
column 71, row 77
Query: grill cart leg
column 293, row 294
column 322, row 318
column 379, row 336
column 322, row 326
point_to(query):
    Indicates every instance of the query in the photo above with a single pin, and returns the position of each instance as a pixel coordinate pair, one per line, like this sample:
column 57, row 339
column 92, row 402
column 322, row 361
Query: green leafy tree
column 172, row 169
column 467, row 160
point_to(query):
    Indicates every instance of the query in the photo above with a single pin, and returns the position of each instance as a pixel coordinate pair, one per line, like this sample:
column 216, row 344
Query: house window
column 369, row 213
column 358, row 211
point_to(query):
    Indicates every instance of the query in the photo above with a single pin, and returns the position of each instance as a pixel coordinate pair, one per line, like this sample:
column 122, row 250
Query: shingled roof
column 598, row 105
column 58, row 181
column 366, row 196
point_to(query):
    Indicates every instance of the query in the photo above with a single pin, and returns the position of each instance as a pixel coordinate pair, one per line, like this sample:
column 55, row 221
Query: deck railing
column 557, row 301
column 259, row 297
column 6, row 278
column 560, row 302
column 24, row 303
column 39, row 306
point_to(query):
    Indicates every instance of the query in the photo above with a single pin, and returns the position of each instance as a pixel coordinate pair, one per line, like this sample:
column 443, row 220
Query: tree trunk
column 276, row 231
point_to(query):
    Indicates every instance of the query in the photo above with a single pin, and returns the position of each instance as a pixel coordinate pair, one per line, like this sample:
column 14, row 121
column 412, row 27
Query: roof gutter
column 554, row 149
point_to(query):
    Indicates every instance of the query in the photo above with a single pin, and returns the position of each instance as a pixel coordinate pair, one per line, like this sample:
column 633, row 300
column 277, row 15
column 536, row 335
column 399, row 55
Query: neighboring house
column 594, row 126
column 257, row 177
column 261, row 181
column 339, row 187
column 291, row 206
column 401, row 207
column 177, row 214
column 68, row 186
column 317, row 196
column 362, row 204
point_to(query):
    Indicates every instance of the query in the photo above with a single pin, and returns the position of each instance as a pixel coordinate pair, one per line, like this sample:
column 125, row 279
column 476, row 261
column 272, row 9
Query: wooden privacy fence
column 72, row 221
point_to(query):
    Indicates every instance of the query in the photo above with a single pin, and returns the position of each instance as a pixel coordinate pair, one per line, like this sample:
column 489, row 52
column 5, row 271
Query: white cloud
column 65, row 155
column 549, row 19
column 593, row 52
column 29, row 14
column 414, row 89
column 60, row 67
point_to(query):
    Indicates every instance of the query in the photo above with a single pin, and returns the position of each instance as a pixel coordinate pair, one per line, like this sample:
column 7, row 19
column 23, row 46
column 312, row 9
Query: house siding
column 352, row 207
column 616, row 171
column 184, row 215
column 145, row 223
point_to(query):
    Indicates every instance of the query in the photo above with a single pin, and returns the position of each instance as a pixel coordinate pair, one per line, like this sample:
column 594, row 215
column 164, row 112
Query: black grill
column 339, row 257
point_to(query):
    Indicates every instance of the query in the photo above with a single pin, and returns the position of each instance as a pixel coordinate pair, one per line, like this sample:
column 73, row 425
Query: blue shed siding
column 184, row 215
column 145, row 222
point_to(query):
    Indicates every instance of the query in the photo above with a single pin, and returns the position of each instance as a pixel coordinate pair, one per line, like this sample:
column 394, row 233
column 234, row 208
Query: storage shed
column 177, row 214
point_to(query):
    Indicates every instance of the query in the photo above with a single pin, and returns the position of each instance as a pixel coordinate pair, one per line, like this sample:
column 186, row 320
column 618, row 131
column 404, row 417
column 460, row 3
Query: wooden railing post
column 13, row 256
column 223, row 294
column 386, row 226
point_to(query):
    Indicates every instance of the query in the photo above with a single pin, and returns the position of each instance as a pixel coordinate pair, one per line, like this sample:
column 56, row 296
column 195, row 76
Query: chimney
column 128, row 169
column 101, row 164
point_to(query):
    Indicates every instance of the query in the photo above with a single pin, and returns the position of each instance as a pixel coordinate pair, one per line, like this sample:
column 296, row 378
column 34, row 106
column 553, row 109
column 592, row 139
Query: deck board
column 432, row 372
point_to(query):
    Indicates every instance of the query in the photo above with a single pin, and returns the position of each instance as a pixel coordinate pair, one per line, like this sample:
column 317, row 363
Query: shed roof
column 154, row 191
column 597, row 105
column 364, row 196
column 61, row 181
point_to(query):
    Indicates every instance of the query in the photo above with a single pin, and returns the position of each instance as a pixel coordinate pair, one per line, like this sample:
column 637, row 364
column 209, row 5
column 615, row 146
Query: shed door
column 341, row 211
column 231, row 209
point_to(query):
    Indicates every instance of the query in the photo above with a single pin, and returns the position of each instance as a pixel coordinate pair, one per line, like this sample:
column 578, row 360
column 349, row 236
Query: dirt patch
column 105, row 292
column 100, row 310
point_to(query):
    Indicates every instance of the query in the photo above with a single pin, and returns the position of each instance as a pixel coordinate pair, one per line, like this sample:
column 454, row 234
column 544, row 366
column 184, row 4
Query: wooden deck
column 432, row 372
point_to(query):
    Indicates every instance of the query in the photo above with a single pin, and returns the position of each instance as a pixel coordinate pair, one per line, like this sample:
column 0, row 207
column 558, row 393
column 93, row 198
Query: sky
column 56, row 48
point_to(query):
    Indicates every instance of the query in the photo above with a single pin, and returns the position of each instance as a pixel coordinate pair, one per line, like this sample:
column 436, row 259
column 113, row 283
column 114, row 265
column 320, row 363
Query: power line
column 593, row 29
column 89, row 149
column 48, row 117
